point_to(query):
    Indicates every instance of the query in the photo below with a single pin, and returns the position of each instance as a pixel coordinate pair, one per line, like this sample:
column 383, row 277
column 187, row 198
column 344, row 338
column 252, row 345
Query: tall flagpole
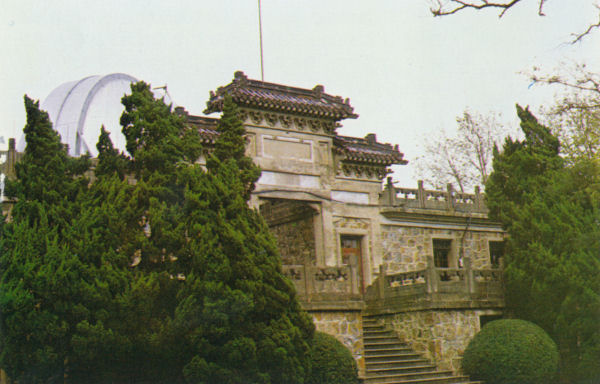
column 262, row 70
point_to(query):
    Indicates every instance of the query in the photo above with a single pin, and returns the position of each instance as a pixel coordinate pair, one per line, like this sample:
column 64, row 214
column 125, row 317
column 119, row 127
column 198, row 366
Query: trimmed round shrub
column 332, row 362
column 511, row 351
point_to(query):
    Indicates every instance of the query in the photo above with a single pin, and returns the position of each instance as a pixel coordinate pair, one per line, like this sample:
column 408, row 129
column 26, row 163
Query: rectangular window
column 496, row 252
column 441, row 252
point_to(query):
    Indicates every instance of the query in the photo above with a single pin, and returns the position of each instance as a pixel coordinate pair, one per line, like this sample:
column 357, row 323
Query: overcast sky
column 407, row 74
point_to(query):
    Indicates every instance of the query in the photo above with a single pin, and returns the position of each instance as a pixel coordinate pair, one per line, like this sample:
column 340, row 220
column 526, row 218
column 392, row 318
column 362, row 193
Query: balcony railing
column 331, row 287
column 442, row 288
column 449, row 200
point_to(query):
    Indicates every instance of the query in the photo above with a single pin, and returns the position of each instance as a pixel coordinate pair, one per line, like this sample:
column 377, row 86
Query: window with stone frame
column 496, row 253
column 442, row 249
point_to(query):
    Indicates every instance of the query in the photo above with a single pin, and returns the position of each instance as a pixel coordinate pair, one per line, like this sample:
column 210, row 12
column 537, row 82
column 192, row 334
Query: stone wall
column 346, row 326
column 407, row 249
column 441, row 336
column 292, row 224
column 296, row 241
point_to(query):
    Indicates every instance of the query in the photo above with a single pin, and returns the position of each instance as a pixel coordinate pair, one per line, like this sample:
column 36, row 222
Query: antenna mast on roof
column 166, row 92
column 262, row 70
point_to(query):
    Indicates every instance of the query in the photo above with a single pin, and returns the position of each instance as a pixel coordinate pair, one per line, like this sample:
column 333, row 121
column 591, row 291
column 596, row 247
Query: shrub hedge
column 511, row 351
column 332, row 362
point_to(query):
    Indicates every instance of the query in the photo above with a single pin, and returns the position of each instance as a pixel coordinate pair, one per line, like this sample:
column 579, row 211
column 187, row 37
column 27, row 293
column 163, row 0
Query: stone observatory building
column 404, row 277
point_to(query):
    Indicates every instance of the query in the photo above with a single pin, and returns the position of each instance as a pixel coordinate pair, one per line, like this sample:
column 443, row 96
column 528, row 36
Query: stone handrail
column 406, row 278
column 315, row 283
column 450, row 199
column 436, row 287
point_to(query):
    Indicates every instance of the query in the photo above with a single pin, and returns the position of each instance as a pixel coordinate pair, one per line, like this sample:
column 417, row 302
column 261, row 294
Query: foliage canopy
column 511, row 351
column 550, row 210
column 166, row 277
column 331, row 361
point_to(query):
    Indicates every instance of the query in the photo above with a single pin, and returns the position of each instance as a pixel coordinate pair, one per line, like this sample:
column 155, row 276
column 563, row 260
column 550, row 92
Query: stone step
column 388, row 360
column 376, row 331
column 394, row 367
column 373, row 325
column 384, row 344
column 399, row 379
column 379, row 349
column 404, row 352
column 405, row 359
column 380, row 338
column 373, row 377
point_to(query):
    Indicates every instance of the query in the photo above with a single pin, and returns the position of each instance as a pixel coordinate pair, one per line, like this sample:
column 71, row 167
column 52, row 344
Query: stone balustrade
column 449, row 200
column 331, row 287
column 435, row 288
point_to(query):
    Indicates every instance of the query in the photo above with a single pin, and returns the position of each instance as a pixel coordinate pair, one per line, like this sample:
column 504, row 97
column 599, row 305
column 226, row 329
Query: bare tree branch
column 541, row 8
column 450, row 7
column 459, row 5
column 578, row 78
column 579, row 37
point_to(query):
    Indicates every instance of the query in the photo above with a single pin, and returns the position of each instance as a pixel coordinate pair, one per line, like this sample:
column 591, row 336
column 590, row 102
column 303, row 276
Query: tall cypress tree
column 231, row 146
column 552, row 272
column 171, row 278
column 251, row 328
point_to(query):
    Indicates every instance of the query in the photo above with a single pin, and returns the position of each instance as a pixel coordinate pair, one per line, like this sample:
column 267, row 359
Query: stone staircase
column 390, row 361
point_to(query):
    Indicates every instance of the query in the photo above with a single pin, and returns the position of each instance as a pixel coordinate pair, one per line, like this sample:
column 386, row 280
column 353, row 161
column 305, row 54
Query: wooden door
column 352, row 255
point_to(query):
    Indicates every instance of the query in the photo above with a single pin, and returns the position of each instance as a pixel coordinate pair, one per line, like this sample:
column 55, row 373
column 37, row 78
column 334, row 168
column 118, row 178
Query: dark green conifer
column 168, row 278
column 552, row 273
column 231, row 146
column 110, row 160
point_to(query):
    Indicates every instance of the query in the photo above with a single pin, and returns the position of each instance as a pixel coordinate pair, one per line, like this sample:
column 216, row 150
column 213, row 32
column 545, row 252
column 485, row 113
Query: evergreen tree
column 552, row 273
column 232, row 145
column 110, row 160
column 170, row 278
column 156, row 138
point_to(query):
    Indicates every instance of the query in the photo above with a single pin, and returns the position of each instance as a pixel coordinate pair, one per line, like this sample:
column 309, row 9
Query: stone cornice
column 431, row 218
column 288, row 122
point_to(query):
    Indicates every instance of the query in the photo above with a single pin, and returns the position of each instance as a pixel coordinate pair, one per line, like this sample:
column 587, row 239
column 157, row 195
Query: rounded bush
column 511, row 351
column 332, row 362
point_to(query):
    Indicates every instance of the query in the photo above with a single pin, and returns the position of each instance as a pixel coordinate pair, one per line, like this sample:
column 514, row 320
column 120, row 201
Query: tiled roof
column 367, row 150
column 280, row 98
column 206, row 126
column 353, row 149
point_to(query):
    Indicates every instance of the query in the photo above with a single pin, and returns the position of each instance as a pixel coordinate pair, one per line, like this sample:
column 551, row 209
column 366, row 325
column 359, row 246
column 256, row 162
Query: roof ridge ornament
column 318, row 90
column 240, row 76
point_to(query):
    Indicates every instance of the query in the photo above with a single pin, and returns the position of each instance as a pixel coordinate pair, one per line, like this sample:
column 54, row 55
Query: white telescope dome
column 78, row 109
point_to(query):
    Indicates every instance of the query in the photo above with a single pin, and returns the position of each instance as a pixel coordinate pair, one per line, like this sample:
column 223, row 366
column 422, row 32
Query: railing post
column 469, row 280
column 478, row 199
column 11, row 160
column 381, row 281
column 389, row 193
column 449, row 197
column 308, row 281
column 432, row 277
column 421, row 195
